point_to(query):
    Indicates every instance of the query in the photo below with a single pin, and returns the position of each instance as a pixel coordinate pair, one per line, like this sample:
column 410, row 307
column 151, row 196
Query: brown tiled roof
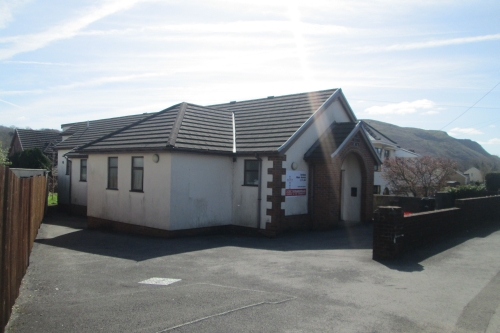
column 266, row 124
column 338, row 134
column 330, row 140
column 182, row 126
column 205, row 128
column 261, row 125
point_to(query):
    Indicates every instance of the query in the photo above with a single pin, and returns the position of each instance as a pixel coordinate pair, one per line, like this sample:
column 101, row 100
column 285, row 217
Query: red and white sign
column 296, row 183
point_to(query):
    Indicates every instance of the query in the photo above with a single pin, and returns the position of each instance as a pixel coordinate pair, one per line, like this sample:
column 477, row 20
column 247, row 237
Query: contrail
column 17, row 106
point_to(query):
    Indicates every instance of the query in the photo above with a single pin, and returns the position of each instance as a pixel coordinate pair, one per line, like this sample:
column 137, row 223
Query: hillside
column 5, row 137
column 466, row 153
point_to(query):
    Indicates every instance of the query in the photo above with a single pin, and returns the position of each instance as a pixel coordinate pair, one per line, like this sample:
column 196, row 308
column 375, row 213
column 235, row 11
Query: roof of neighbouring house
column 377, row 136
column 260, row 125
column 87, row 131
column 43, row 140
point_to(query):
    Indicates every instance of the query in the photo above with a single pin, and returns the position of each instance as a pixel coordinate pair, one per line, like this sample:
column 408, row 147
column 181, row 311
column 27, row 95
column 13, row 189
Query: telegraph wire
column 479, row 100
column 447, row 105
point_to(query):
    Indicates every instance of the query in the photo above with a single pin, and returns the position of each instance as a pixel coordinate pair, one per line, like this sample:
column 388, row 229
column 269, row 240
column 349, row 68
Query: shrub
column 30, row 159
column 467, row 191
column 492, row 181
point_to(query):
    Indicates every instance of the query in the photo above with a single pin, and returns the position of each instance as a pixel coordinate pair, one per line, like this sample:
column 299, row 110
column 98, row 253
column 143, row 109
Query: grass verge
column 52, row 199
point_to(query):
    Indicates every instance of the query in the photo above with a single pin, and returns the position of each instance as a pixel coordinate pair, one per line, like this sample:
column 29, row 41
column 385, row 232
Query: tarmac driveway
column 89, row 281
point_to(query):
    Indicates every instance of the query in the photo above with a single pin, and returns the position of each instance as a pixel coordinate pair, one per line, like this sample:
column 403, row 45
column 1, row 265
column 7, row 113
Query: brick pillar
column 276, row 198
column 388, row 236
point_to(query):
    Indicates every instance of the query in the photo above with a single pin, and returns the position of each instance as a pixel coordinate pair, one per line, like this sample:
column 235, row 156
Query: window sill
column 250, row 185
column 83, row 181
column 112, row 189
column 137, row 191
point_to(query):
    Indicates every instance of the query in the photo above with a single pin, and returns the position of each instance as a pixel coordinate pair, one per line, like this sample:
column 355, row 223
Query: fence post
column 388, row 233
column 3, row 221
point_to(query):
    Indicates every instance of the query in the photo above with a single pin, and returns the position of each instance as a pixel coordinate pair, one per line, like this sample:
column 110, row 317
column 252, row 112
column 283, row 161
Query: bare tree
column 419, row 177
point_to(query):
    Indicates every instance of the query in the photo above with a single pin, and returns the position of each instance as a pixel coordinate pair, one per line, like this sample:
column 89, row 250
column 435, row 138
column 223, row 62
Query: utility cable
column 479, row 100
column 447, row 105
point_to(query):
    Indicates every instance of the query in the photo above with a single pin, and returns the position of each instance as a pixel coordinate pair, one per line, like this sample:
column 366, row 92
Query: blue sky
column 411, row 63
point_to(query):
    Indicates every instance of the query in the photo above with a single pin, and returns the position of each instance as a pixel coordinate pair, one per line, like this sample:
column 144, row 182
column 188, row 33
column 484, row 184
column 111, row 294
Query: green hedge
column 467, row 191
column 30, row 159
column 492, row 181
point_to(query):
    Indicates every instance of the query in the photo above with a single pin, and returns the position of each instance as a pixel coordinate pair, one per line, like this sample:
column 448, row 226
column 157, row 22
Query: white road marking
column 160, row 281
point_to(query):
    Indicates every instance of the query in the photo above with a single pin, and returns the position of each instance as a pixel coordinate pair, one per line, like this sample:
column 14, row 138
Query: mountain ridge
column 467, row 153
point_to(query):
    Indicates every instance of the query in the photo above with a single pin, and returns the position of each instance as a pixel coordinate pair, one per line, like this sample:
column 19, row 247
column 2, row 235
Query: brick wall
column 395, row 234
column 408, row 204
column 327, row 179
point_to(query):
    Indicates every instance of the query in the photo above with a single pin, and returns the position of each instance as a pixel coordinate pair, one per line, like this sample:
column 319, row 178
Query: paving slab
column 83, row 280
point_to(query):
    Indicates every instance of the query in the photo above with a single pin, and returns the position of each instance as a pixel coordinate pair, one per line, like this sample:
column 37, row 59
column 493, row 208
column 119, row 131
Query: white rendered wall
column 150, row 209
column 379, row 180
column 474, row 175
column 201, row 191
column 62, row 178
column 335, row 112
column 78, row 188
column 404, row 153
column 245, row 198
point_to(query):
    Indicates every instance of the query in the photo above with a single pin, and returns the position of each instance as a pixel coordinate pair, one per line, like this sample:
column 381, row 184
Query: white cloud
column 429, row 113
column 430, row 44
column 45, row 63
column 494, row 141
column 402, row 108
column 457, row 131
column 237, row 27
column 105, row 80
column 26, row 43
column 7, row 7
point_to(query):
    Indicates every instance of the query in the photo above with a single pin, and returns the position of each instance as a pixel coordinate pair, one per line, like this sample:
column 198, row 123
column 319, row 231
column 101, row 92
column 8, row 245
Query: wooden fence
column 22, row 206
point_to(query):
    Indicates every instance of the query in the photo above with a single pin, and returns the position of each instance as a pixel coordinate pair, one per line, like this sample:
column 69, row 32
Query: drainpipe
column 70, row 167
column 259, row 187
column 311, row 195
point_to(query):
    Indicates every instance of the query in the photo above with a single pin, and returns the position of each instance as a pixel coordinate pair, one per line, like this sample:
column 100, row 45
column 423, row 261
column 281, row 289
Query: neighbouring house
column 28, row 139
column 475, row 175
column 299, row 161
column 72, row 166
column 385, row 148
column 459, row 178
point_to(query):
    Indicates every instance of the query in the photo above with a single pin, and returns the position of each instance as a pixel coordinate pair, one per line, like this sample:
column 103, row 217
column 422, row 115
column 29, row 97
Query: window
column 83, row 170
column 376, row 167
column 113, row 173
column 387, row 153
column 354, row 191
column 376, row 189
column 251, row 173
column 68, row 166
column 379, row 151
column 137, row 173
